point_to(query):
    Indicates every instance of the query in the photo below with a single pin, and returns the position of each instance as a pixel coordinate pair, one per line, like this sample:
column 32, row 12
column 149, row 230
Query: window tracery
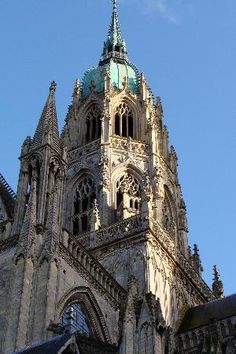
column 93, row 123
column 124, row 121
column 75, row 317
column 128, row 196
column 85, row 195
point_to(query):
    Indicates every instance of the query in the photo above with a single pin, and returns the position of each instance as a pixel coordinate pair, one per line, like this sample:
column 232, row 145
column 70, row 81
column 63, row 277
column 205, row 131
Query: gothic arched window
column 85, row 195
column 128, row 196
column 124, row 121
column 76, row 319
column 93, row 123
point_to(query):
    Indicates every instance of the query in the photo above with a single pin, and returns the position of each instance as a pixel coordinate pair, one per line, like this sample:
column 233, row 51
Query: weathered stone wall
column 33, row 297
column 125, row 261
column 6, row 281
column 5, row 222
column 71, row 281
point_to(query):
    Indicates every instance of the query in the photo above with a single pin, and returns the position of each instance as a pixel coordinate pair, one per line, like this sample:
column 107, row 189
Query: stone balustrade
column 76, row 154
column 93, row 267
column 136, row 225
column 121, row 144
column 116, row 231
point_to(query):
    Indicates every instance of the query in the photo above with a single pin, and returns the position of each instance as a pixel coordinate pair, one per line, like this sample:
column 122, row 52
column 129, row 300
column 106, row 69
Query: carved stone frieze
column 104, row 165
column 76, row 254
column 83, row 151
column 163, row 244
column 116, row 231
column 89, row 278
column 131, row 146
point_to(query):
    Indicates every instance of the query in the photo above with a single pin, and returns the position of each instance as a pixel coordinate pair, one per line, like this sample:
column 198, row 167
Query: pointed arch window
column 85, row 195
column 75, row 318
column 124, row 121
column 128, row 196
column 93, row 123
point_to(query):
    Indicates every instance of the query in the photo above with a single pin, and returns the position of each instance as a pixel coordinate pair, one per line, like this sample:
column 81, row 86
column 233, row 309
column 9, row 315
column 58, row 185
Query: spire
column 114, row 46
column 197, row 264
column 217, row 285
column 47, row 129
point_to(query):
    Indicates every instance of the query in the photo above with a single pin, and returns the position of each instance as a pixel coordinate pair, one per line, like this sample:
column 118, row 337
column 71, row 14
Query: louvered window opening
column 124, row 122
column 84, row 198
column 93, row 123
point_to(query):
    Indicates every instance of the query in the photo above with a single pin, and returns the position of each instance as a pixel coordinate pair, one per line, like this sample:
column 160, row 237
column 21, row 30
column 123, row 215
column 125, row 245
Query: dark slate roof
column 51, row 346
column 7, row 195
column 85, row 345
column 92, row 346
column 203, row 314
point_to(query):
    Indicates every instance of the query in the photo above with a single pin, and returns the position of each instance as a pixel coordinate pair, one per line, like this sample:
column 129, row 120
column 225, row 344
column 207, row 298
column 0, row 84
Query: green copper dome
column 117, row 72
column 113, row 62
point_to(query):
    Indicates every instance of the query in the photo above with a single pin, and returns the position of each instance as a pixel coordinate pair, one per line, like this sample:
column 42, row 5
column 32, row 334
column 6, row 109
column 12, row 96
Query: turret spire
column 47, row 129
column 217, row 285
column 114, row 46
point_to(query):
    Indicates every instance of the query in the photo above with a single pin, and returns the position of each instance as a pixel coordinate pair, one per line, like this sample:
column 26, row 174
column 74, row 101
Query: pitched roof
column 85, row 345
column 51, row 346
column 203, row 314
column 92, row 346
column 8, row 196
column 48, row 125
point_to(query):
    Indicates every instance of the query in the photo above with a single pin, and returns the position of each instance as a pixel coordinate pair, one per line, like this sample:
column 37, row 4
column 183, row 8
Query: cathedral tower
column 99, row 241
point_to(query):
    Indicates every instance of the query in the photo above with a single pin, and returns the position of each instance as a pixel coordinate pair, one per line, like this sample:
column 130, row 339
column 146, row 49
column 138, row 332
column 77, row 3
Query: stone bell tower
column 123, row 200
column 99, row 238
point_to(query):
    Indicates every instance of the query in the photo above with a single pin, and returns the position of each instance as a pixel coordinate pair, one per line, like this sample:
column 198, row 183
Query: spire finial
column 52, row 87
column 114, row 46
column 197, row 264
column 114, row 5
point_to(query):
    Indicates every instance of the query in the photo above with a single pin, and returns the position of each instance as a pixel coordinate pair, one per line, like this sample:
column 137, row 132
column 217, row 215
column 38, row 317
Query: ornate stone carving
column 83, row 152
column 129, row 145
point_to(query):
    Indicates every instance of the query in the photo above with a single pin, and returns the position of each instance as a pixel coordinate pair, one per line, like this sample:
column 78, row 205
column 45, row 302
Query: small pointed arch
column 223, row 329
column 125, row 123
column 194, row 339
column 56, row 163
column 187, row 341
column 34, row 167
column 145, row 338
column 34, row 164
column 169, row 215
column 89, row 312
column 180, row 344
column 127, row 192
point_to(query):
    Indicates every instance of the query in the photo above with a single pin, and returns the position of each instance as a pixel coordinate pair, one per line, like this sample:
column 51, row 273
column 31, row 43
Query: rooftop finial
column 52, row 87
column 114, row 5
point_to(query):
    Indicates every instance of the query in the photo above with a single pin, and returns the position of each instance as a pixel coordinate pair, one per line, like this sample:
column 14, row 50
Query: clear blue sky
column 187, row 50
